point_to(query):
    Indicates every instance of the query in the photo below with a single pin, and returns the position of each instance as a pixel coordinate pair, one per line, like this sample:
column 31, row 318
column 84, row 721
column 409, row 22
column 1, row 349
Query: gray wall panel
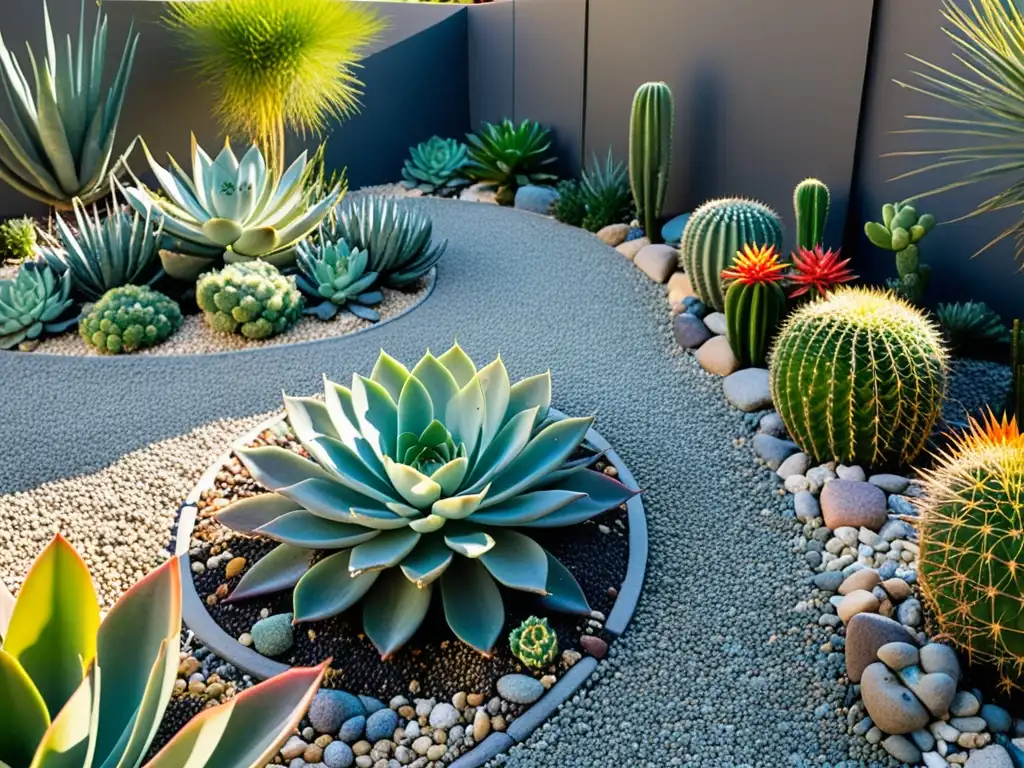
column 491, row 40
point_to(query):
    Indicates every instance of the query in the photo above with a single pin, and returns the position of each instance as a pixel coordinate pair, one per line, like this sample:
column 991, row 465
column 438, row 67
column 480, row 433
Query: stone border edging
column 199, row 621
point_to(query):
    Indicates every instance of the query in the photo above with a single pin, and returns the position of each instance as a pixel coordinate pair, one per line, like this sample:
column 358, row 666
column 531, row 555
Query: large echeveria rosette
column 419, row 480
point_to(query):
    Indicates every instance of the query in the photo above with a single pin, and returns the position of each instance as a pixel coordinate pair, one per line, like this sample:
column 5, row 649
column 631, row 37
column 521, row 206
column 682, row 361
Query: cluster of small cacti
column 971, row 525
column 650, row 152
column 754, row 303
column 811, row 201
column 900, row 230
column 859, row 378
column 534, row 642
column 17, row 240
column 715, row 233
column 250, row 298
column 129, row 318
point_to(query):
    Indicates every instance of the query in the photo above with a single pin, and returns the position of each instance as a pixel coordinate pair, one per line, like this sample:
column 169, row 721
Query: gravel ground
column 716, row 668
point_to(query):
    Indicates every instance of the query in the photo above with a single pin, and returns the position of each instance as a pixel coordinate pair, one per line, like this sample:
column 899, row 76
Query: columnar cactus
column 859, row 378
column 811, row 203
column 715, row 233
column 972, row 516
column 1017, row 361
column 534, row 643
column 754, row 303
column 900, row 230
column 650, row 152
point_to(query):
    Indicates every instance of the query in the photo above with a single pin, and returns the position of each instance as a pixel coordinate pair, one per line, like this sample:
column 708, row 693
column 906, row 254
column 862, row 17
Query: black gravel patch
column 179, row 711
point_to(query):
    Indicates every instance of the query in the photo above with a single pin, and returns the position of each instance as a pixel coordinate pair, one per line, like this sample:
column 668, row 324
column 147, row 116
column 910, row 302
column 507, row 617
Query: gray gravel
column 716, row 668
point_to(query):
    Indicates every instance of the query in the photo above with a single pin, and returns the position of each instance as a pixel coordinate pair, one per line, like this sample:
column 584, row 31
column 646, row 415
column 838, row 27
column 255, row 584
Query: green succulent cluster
column 436, row 166
column 419, row 479
column 506, row 157
column 534, row 642
column 859, row 378
column 571, row 206
column 606, row 194
column 249, row 298
column 971, row 523
column 129, row 318
column 972, row 324
column 335, row 277
column 900, row 230
column 17, row 240
column 36, row 302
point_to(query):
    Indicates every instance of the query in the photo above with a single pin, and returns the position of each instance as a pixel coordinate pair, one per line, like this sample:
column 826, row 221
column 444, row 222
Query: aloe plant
column 238, row 210
column 506, row 157
column 59, row 142
column 416, row 480
column 76, row 692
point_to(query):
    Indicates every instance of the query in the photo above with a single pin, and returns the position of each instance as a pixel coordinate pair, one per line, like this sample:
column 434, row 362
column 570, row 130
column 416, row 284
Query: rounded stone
column 594, row 646
column 797, row 464
column 272, row 636
column 679, row 287
column 854, row 504
column 716, row 356
column 998, row 719
column 964, row 704
column 936, row 657
column 858, row 601
column 371, row 704
column 381, row 725
column 715, row 321
column 892, row 707
column 536, row 199
column 773, row 450
column 805, row 506
column 866, row 580
column 631, row 248
column 897, row 656
column 992, row 756
column 331, row 708
column 865, row 634
column 890, row 483
column 689, row 331
column 519, row 689
column 353, row 729
column 903, row 749
column 672, row 230
column 658, row 261
column 613, row 234
column 443, row 715
column 899, row 590
column 481, row 725
column 935, row 690
column 338, row 754
column 748, row 390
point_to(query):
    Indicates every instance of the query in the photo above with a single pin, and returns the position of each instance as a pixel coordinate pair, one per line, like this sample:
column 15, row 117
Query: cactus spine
column 811, row 202
column 715, row 233
column 650, row 152
column 971, row 523
column 859, row 378
column 754, row 303
column 900, row 230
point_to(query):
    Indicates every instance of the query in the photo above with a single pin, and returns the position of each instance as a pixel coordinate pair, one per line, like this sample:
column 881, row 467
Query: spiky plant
column 754, row 302
column 651, row 126
column 859, row 378
column 972, row 526
column 417, row 480
column 534, row 642
column 967, row 325
column 817, row 271
column 571, row 206
column 606, row 194
column 811, row 202
column 506, row 157
column 17, row 240
column 276, row 64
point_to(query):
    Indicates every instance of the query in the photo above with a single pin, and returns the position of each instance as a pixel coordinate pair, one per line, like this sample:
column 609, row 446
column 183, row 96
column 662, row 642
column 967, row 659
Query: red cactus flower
column 756, row 264
column 818, row 269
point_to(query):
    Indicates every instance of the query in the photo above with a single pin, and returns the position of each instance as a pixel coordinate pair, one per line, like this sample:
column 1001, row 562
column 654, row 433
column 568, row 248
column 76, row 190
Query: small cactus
column 900, row 230
column 811, row 202
column 971, row 526
column 250, row 298
column 754, row 303
column 650, row 152
column 859, row 378
column 534, row 643
column 129, row 318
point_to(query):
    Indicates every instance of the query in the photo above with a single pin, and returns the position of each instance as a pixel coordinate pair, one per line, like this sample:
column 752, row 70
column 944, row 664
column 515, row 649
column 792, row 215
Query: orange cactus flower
column 819, row 270
column 756, row 264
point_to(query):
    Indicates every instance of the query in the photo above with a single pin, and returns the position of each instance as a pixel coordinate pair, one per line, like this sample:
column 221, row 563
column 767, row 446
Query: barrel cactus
column 900, row 230
column 36, row 302
column 435, row 166
column 859, row 378
column 250, row 298
column 715, row 233
column 971, row 523
column 129, row 318
column 754, row 303
column 650, row 152
column 534, row 643
column 334, row 277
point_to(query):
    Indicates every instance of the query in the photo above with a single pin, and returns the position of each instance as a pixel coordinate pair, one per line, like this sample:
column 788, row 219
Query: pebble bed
column 717, row 667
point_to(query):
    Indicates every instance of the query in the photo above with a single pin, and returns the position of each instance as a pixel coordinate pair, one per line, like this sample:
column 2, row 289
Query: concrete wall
column 491, row 66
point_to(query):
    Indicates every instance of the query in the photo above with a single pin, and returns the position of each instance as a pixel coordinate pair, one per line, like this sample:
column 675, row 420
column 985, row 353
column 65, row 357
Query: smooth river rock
column 892, row 707
column 865, row 634
column 854, row 504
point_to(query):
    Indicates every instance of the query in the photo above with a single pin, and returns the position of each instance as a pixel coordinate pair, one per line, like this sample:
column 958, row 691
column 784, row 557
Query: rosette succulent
column 335, row 277
column 534, row 642
column 36, row 302
column 436, row 166
column 238, row 210
column 507, row 157
column 128, row 319
column 971, row 324
column 418, row 480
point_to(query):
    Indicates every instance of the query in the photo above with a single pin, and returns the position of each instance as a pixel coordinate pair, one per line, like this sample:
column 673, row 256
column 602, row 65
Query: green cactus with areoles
column 811, row 201
column 534, row 642
column 250, row 298
column 650, row 152
column 900, row 230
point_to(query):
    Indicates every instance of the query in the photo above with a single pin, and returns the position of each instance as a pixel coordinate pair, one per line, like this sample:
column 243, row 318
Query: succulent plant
column 17, row 240
column 811, row 202
column 121, row 248
column 715, row 233
column 81, row 693
column 606, row 194
column 900, row 230
column 416, row 480
column 35, row 302
column 817, row 270
column 250, row 298
column 972, row 515
column 129, row 318
column 754, row 303
column 230, row 209
column 58, row 144
column 436, row 166
column 859, row 378
column 650, row 153
column 507, row 157
column 570, row 207
column 395, row 233
column 972, row 324
column 335, row 277
column 534, row 642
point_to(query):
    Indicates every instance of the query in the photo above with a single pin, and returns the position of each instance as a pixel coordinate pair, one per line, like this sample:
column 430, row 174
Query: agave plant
column 336, row 275
column 436, row 166
column 420, row 478
column 606, row 194
column 76, row 692
column 59, row 143
column 508, row 157
column 230, row 208
column 34, row 303
column 395, row 233
column 972, row 326
column 119, row 249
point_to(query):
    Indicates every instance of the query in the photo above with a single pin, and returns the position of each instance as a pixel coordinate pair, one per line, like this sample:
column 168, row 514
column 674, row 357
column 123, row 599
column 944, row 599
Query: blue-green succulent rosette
column 421, row 480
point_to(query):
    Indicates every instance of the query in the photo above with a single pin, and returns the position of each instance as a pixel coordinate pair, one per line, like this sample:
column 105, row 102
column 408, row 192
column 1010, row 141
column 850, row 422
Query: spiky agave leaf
column 424, row 476
column 971, row 323
column 606, row 194
column 507, row 156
